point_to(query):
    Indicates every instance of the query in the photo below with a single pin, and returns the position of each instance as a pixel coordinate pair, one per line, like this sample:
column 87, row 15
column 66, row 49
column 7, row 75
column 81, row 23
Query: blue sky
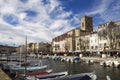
column 42, row 20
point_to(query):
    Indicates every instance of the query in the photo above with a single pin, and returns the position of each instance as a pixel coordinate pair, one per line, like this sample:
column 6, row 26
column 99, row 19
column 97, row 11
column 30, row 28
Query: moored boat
column 29, row 68
column 52, row 75
column 47, row 76
column 82, row 76
column 109, row 63
column 20, row 70
column 39, row 73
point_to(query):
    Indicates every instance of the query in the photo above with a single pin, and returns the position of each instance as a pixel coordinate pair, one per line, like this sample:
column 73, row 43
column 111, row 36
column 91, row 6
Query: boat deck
column 4, row 76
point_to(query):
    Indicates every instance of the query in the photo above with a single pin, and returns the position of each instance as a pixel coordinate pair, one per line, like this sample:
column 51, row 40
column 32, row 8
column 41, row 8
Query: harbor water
column 76, row 68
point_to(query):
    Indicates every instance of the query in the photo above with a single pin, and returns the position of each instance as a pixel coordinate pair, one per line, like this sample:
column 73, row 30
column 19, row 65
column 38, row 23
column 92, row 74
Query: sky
column 42, row 20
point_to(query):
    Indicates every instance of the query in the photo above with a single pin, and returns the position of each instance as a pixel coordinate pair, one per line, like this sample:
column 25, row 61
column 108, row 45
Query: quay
column 99, row 59
column 96, row 59
column 113, row 62
column 11, row 60
column 4, row 76
column 103, row 61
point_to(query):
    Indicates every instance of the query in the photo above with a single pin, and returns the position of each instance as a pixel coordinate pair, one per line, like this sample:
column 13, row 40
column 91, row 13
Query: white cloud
column 107, row 9
column 22, row 15
column 49, row 22
column 99, row 7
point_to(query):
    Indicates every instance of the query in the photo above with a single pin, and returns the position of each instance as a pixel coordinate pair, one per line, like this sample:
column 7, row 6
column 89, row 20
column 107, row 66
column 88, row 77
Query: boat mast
column 26, row 57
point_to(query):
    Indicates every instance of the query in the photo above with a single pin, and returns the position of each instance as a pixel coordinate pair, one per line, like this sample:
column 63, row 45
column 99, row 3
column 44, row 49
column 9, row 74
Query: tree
column 110, row 33
column 48, row 47
column 67, row 46
column 83, row 43
column 44, row 48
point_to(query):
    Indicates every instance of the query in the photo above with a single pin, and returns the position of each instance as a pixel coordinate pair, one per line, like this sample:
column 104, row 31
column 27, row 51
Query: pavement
column 101, row 59
column 4, row 76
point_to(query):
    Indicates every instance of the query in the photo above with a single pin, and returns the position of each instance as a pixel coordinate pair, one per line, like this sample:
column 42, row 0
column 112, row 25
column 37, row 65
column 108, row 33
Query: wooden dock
column 4, row 76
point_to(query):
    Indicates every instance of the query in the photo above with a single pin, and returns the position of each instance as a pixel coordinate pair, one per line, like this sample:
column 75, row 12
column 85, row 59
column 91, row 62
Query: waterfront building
column 4, row 49
column 82, row 43
column 35, row 48
column 77, row 36
column 68, row 42
column 31, row 47
column 87, row 44
column 21, row 49
column 109, row 37
column 94, row 44
column 84, row 39
column 43, row 48
column 65, row 42
column 58, row 44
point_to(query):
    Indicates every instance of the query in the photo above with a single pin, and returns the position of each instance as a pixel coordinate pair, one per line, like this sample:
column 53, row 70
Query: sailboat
column 29, row 68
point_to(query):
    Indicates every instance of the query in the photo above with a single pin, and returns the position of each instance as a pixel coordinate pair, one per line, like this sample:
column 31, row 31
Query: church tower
column 86, row 23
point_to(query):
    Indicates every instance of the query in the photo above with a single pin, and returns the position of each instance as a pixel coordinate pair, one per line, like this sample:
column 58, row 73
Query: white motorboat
column 109, row 63
column 29, row 68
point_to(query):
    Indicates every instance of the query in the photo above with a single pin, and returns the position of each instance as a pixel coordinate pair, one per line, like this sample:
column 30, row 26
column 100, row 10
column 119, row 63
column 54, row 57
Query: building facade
column 109, row 36
column 4, row 49
column 35, row 48
column 65, row 42
column 94, row 44
column 84, row 39
column 70, row 41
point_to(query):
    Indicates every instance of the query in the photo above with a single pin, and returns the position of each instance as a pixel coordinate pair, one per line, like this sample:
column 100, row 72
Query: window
column 91, row 41
column 77, row 48
column 96, row 47
column 100, row 38
column 82, row 24
column 100, row 45
column 119, row 44
column 95, row 40
column 87, row 47
column 78, row 44
column 91, row 47
column 90, row 35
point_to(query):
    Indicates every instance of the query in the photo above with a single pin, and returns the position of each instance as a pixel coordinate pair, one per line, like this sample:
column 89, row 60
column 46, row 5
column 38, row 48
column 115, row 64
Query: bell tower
column 86, row 23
